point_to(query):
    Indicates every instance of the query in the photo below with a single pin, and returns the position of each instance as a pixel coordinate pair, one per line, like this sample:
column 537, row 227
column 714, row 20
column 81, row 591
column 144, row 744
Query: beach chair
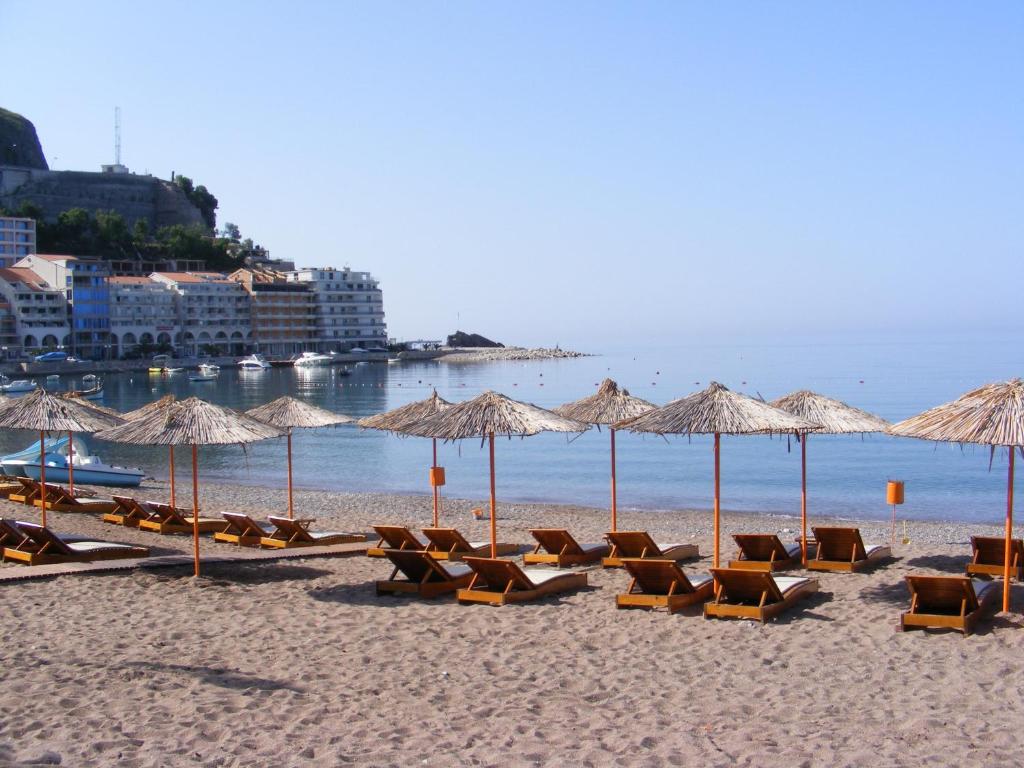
column 11, row 534
column 41, row 546
column 290, row 532
column 639, row 544
column 662, row 584
column 28, row 493
column 394, row 537
column 238, row 528
column 756, row 595
column 841, row 549
column 562, row 550
column 9, row 485
column 764, row 552
column 450, row 544
column 950, row 602
column 165, row 519
column 499, row 582
column 127, row 512
column 990, row 555
column 424, row 575
column 60, row 499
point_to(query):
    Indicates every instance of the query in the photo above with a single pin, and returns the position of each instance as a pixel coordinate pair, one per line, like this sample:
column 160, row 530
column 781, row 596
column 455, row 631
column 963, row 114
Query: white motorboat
column 89, row 468
column 16, row 387
column 253, row 363
column 209, row 368
column 201, row 376
column 312, row 360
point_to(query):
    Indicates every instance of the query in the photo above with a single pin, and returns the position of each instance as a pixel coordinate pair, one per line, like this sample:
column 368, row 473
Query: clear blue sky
column 582, row 173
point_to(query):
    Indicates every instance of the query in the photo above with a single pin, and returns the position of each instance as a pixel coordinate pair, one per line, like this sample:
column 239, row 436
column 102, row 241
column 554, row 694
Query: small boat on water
column 209, row 368
column 312, row 360
column 93, row 390
column 253, row 363
column 16, row 387
column 88, row 468
column 53, row 378
column 200, row 377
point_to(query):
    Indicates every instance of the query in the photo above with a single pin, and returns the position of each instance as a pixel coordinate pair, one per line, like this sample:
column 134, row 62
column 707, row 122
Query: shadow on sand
column 223, row 678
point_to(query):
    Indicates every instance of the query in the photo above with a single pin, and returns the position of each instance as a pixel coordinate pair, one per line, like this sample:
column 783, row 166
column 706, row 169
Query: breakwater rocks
column 493, row 354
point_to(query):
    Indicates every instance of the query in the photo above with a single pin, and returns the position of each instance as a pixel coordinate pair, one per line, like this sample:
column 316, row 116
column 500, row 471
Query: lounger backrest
column 991, row 550
column 417, row 565
column 398, row 537
column 10, row 534
column 656, row 577
column 943, row 594
column 289, row 530
column 499, row 575
column 843, row 544
column 59, row 494
column 447, row 539
column 747, row 586
column 241, row 524
column 557, row 541
column 634, row 543
column 169, row 514
column 46, row 539
column 761, row 546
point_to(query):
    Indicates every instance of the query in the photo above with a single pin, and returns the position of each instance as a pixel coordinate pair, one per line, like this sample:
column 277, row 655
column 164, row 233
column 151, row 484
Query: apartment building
column 33, row 314
column 143, row 317
column 212, row 311
column 283, row 313
column 349, row 308
column 17, row 239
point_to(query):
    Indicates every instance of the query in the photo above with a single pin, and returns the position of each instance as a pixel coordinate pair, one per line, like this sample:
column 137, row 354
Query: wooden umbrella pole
column 195, row 506
column 494, row 515
column 291, row 510
column 42, row 471
column 614, row 495
column 803, row 497
column 1009, row 534
column 71, row 464
column 435, row 488
column 718, row 509
column 172, row 477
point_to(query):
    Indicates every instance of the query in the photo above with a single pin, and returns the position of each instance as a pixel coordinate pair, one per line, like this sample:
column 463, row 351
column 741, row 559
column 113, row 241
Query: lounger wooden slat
column 662, row 584
column 238, row 528
column 499, row 582
column 9, row 486
column 639, row 544
column 394, row 537
column 756, row 595
column 424, row 575
column 562, row 550
column 127, row 512
column 42, row 546
column 290, row 532
column 841, row 549
column 990, row 555
column 28, row 493
column 165, row 520
column 948, row 602
column 450, row 544
column 764, row 552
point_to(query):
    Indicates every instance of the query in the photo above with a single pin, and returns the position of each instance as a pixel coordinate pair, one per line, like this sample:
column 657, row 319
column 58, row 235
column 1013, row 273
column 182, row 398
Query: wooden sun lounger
column 41, row 546
column 990, row 556
column 394, row 537
column 238, row 528
column 841, row 549
column 11, row 534
column 290, row 532
column 562, row 550
column 662, row 584
column 639, row 544
column 764, row 552
column 165, row 519
column 756, row 595
column 450, row 544
column 502, row 581
column 28, row 493
column 127, row 512
column 424, row 575
column 9, row 486
column 950, row 602
column 60, row 499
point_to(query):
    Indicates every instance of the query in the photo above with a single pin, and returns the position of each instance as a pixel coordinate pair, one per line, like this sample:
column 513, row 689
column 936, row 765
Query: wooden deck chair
column 841, row 549
column 990, row 555
column 165, row 519
column 424, row 575
column 29, row 491
column 9, row 485
column 662, row 584
column 41, row 546
column 394, row 537
column 289, row 532
column 127, row 512
column 11, row 534
column 764, row 552
column 639, row 544
column 502, row 581
column 756, row 595
column 562, row 550
column 450, row 544
column 60, row 499
column 238, row 528
column 950, row 602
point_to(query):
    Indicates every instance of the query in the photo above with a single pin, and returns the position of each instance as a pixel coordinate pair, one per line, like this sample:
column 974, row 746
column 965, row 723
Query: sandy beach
column 299, row 663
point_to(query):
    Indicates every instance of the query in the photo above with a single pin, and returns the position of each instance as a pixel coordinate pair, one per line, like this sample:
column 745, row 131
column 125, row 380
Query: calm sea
column 847, row 474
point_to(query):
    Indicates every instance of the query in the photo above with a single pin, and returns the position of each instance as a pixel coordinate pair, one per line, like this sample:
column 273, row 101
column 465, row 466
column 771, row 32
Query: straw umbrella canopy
column 71, row 443
column 991, row 415
column 192, row 422
column 488, row 415
column 607, row 406
column 399, row 420
column 716, row 411
column 833, row 417
column 44, row 412
column 146, row 410
column 287, row 413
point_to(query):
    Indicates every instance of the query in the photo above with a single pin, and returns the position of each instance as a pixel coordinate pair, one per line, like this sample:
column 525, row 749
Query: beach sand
column 299, row 663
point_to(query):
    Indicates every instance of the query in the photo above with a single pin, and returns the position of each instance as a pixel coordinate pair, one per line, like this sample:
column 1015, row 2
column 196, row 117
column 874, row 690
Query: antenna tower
column 117, row 135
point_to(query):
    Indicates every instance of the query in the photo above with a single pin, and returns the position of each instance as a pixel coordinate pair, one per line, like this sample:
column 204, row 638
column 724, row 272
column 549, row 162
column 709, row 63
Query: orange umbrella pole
column 172, row 476
column 42, row 471
column 437, row 492
column 71, row 464
column 494, row 504
column 195, row 507
column 803, row 497
column 614, row 495
column 1009, row 535
column 291, row 510
column 718, row 509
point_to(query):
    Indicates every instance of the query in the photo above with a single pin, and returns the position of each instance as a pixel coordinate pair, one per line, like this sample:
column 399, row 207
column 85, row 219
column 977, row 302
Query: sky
column 582, row 174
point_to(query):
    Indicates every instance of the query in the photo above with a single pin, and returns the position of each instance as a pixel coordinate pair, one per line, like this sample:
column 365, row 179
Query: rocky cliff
column 463, row 339
column 19, row 144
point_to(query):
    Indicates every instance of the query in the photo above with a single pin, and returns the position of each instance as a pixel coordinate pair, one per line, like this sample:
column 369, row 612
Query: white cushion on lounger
column 981, row 585
column 593, row 547
column 793, row 549
column 93, row 546
column 325, row 534
column 667, row 547
column 479, row 544
column 539, row 575
column 870, row 549
column 696, row 581
column 456, row 569
column 787, row 583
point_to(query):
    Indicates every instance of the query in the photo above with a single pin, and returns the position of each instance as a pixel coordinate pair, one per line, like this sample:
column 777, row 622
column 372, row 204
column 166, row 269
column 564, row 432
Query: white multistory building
column 33, row 314
column 143, row 316
column 17, row 239
column 212, row 312
column 349, row 308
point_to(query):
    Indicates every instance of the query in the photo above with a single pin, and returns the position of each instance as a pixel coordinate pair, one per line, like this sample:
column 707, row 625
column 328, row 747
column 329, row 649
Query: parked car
column 51, row 357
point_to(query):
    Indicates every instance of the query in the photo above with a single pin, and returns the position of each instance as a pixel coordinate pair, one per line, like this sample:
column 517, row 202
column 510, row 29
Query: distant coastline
column 494, row 354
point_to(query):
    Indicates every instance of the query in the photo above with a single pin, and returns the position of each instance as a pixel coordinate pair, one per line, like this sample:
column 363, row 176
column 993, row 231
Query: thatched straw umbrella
column 488, row 415
column 42, row 411
column 191, row 422
column 833, row 417
column 287, row 413
column 71, row 443
column 146, row 410
column 991, row 415
column 716, row 411
column 398, row 420
column 608, row 406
